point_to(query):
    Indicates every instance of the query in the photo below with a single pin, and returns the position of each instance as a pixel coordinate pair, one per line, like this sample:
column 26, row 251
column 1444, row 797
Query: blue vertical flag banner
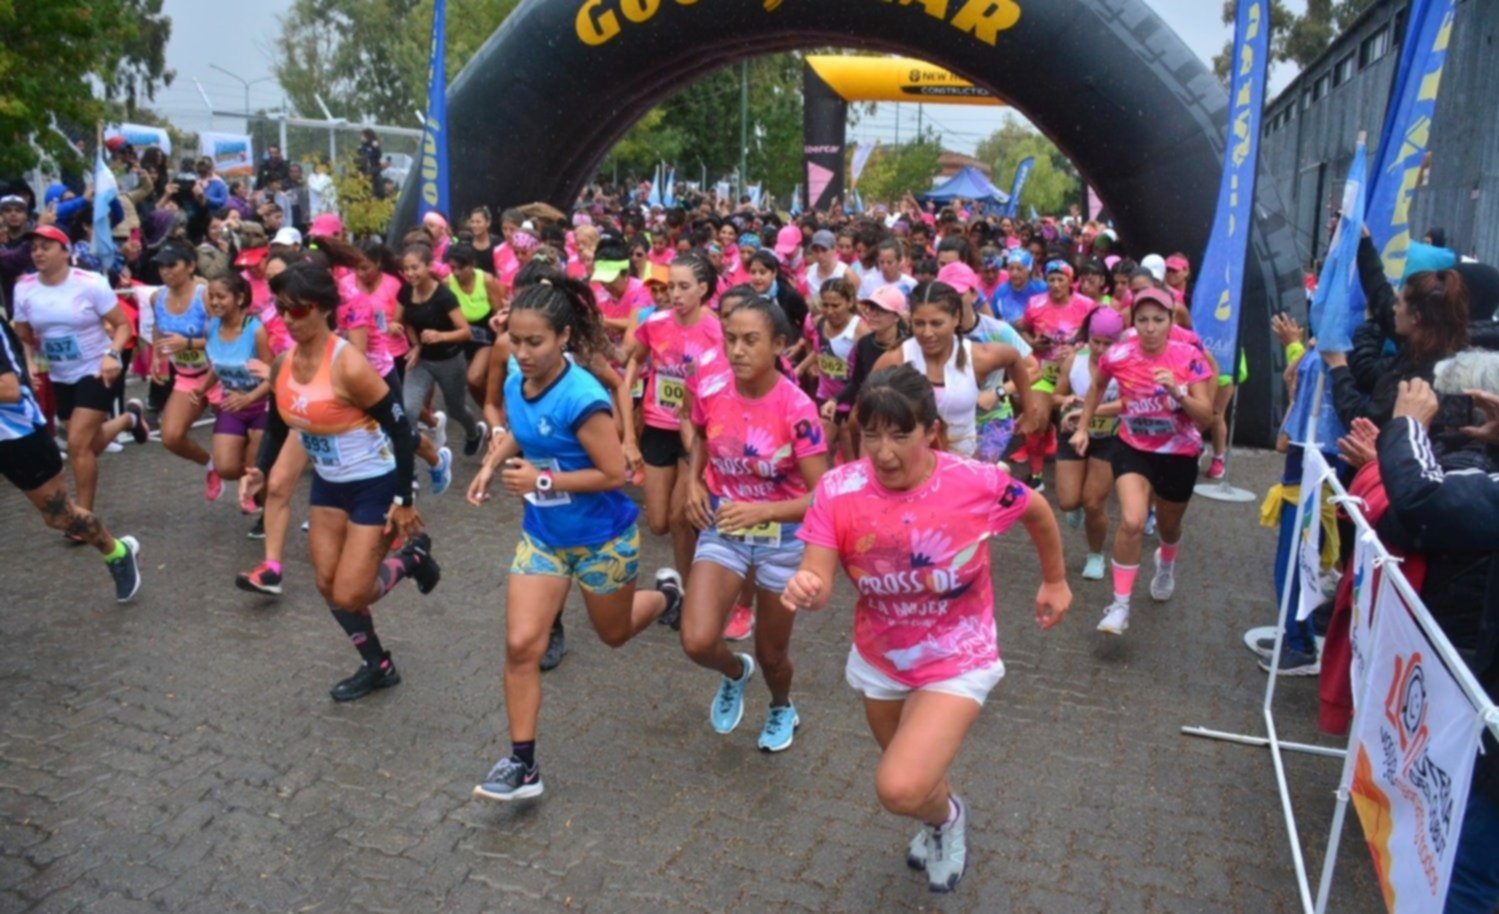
column 669, row 193
column 434, row 187
column 1406, row 136
column 106, row 192
column 796, row 201
column 1335, row 308
column 1217, row 300
column 1022, row 174
column 654, row 198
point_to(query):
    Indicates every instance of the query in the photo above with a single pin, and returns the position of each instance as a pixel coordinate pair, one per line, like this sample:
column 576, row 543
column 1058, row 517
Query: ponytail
column 567, row 304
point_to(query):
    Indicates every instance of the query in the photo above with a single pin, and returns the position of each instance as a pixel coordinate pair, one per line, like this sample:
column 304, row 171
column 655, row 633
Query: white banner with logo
column 1309, row 542
column 1364, row 553
column 141, row 136
column 232, row 154
column 1415, row 740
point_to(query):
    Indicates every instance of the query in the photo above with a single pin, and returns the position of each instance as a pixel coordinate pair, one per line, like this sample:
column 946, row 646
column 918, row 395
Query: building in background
column 1311, row 129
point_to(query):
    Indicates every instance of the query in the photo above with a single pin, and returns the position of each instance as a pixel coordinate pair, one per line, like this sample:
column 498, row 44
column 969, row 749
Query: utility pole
column 247, row 84
column 919, row 113
column 897, row 123
column 743, row 127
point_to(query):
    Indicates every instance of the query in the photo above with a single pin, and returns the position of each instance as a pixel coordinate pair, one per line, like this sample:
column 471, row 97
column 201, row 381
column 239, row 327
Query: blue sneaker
column 1150, row 523
column 509, row 780
column 1074, row 518
column 728, row 704
column 780, row 729
column 442, row 474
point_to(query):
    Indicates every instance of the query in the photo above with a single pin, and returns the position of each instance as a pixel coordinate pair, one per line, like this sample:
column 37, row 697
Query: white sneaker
column 1163, row 582
column 947, row 852
column 1115, row 618
column 1093, row 569
column 439, row 429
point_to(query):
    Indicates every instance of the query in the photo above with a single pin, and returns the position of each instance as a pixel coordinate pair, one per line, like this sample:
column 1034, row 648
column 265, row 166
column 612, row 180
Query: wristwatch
column 544, row 481
column 402, row 501
column 115, row 354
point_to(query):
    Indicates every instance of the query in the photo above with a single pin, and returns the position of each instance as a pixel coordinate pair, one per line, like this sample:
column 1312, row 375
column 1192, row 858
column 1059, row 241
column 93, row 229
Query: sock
column 1168, row 552
column 952, row 813
column 209, row 468
column 394, row 569
column 525, row 753
column 1124, row 580
column 118, row 552
column 274, row 566
column 360, row 628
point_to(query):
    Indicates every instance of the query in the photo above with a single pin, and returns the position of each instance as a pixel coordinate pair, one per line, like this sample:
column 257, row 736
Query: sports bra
column 343, row 441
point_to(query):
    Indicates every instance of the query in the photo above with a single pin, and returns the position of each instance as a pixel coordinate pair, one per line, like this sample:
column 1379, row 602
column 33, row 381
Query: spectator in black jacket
column 1455, row 512
column 1428, row 321
column 272, row 168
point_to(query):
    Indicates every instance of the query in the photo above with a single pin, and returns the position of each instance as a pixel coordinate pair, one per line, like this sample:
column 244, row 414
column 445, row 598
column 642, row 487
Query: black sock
column 525, row 753
column 360, row 628
column 557, row 625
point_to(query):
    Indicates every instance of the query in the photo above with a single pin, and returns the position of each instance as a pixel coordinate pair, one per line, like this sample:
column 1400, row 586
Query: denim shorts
column 771, row 565
column 602, row 569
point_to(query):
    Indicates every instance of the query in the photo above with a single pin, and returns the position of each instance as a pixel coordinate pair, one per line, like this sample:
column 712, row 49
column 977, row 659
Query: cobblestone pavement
column 182, row 754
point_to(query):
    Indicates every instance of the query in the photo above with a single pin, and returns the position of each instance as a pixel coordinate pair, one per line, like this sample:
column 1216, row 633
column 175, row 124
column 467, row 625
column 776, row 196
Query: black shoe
column 556, row 647
column 257, row 532
column 126, row 570
column 140, row 429
column 669, row 582
column 427, row 572
column 367, row 680
column 1037, row 482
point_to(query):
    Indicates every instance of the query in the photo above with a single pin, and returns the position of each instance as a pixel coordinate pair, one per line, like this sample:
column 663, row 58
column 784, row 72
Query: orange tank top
column 343, row 441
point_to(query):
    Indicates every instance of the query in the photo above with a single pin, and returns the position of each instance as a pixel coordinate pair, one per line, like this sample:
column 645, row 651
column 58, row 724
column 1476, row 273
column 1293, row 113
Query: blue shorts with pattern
column 601, row 569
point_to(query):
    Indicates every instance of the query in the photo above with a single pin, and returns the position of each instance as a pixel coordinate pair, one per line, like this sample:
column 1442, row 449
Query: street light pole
column 743, row 129
column 243, row 82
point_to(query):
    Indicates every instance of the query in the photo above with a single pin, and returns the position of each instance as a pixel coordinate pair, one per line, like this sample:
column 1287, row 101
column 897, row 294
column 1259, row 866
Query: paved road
column 182, row 754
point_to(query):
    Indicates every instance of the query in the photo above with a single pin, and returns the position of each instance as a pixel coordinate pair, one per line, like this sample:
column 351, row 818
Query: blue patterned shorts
column 601, row 569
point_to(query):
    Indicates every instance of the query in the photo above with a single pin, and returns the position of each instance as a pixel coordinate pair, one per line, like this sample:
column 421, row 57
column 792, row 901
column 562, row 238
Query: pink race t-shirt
column 506, row 265
column 920, row 562
column 356, row 312
column 1154, row 421
column 385, row 303
column 672, row 354
column 263, row 306
column 1055, row 326
column 755, row 445
column 636, row 296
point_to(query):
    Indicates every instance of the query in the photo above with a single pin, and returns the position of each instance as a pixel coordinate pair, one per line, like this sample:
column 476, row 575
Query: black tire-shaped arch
column 537, row 108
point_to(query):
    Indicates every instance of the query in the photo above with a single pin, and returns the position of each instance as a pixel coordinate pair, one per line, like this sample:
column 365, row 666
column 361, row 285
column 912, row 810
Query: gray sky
column 199, row 28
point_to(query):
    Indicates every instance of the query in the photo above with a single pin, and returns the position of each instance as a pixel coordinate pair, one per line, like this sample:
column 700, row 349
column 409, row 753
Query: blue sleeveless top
column 229, row 359
column 192, row 323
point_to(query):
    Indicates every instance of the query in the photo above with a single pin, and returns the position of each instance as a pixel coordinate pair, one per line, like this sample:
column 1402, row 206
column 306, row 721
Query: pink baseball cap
column 960, row 276
column 1155, row 297
column 890, row 298
column 51, row 233
column 328, row 225
column 1177, row 263
column 788, row 240
column 1105, row 322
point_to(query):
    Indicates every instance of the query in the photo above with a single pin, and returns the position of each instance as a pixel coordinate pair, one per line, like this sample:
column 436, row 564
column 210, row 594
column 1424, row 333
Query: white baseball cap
column 288, row 236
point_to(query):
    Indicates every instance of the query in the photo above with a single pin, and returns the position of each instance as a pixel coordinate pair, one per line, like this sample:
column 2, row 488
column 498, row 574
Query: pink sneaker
column 213, row 485
column 741, row 624
column 1215, row 469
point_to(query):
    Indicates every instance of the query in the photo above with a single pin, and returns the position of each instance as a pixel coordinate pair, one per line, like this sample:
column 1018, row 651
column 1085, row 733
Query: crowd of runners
column 879, row 392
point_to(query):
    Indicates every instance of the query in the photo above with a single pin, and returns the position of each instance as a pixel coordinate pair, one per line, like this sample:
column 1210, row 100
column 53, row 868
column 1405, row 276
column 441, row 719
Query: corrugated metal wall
column 1313, row 126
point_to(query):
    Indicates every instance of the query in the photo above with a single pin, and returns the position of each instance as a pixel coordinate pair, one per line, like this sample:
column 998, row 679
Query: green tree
column 1053, row 183
column 368, row 58
column 894, row 170
column 1296, row 39
column 56, row 52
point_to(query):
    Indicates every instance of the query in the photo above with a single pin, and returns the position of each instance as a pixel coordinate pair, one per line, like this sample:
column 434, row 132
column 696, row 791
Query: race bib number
column 323, row 449
column 671, row 393
column 1050, row 371
column 1103, row 426
column 1150, row 427
column 550, row 499
column 638, row 390
column 236, row 378
column 832, row 367
column 62, row 348
column 766, row 534
column 189, row 358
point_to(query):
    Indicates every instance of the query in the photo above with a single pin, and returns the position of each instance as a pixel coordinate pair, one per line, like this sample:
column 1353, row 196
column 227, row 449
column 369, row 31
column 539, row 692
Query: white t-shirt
column 68, row 319
column 815, row 279
column 874, row 280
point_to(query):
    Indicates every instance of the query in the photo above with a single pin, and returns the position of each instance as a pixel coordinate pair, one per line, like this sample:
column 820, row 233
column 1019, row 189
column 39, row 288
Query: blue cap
column 750, row 240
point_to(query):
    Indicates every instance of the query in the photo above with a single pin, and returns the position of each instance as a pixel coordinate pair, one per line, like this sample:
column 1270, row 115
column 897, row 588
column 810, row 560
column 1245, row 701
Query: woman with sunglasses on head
column 757, row 453
column 909, row 523
column 562, row 456
column 362, row 450
column 180, row 336
column 1084, row 482
column 670, row 347
column 1164, row 388
column 953, row 364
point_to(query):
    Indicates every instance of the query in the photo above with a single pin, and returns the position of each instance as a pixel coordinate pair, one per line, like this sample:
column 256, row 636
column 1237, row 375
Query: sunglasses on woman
column 295, row 310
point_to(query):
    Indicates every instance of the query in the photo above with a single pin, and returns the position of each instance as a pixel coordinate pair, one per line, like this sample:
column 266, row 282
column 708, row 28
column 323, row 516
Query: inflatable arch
column 1142, row 118
column 830, row 82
